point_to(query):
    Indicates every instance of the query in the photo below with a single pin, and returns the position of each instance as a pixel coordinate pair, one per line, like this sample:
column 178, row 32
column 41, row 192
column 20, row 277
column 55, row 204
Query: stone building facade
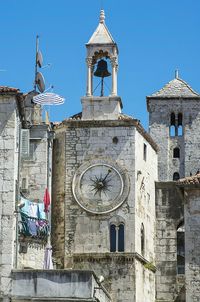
column 106, row 200
column 85, row 237
column 173, row 124
column 119, row 209
column 11, row 113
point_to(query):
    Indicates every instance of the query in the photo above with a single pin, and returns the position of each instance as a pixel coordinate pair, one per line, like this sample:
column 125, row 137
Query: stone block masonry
column 8, row 178
column 82, row 238
column 169, row 214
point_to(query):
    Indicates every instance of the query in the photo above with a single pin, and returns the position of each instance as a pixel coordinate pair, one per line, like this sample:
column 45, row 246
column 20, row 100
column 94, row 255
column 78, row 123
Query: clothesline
column 33, row 219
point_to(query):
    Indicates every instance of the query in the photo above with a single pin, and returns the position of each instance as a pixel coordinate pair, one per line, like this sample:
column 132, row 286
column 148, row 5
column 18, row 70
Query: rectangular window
column 145, row 152
column 24, row 185
column 25, row 143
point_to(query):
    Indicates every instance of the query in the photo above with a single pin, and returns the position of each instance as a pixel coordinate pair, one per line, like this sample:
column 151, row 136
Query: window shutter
column 25, row 142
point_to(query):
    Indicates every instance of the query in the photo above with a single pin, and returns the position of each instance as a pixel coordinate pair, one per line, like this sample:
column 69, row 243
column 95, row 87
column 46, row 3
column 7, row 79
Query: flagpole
column 48, row 185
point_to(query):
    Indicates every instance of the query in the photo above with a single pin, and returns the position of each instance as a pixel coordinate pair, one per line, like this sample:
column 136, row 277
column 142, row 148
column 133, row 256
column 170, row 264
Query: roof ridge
column 8, row 89
column 189, row 87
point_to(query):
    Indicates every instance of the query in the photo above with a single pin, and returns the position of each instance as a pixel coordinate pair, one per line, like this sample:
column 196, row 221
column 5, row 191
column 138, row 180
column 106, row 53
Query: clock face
column 99, row 187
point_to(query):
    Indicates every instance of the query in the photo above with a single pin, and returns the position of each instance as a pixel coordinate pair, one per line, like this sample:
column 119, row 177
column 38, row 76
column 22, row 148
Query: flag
column 46, row 200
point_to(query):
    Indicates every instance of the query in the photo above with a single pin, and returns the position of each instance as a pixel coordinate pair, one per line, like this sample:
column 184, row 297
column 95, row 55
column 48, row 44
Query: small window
column 142, row 239
column 117, row 238
column 115, row 140
column 172, row 119
column 25, row 142
column 180, row 124
column 172, row 131
column 180, row 119
column 145, row 152
column 113, row 238
column 180, row 130
column 176, row 125
column 172, row 128
column 176, row 153
column 176, row 176
column 121, row 238
column 181, row 249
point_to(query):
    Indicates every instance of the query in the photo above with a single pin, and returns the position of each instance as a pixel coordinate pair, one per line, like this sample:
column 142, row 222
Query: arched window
column 172, row 131
column 142, row 239
column 176, row 176
column 117, row 237
column 176, row 153
column 181, row 249
column 172, row 119
column 121, row 238
column 180, row 119
column 113, row 238
column 176, row 124
column 172, row 128
column 180, row 124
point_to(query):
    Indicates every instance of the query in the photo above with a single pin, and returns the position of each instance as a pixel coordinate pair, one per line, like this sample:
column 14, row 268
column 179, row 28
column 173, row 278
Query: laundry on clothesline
column 32, row 209
column 32, row 219
column 46, row 200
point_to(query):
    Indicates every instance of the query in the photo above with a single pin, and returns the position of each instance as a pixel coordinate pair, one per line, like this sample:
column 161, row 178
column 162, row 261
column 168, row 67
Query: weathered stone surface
column 169, row 214
column 80, row 142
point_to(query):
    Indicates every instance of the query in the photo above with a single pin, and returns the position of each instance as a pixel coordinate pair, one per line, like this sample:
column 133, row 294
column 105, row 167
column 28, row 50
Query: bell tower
column 173, row 122
column 101, row 47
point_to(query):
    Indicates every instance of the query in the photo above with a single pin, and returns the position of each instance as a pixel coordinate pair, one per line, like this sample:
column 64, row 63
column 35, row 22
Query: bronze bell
column 102, row 69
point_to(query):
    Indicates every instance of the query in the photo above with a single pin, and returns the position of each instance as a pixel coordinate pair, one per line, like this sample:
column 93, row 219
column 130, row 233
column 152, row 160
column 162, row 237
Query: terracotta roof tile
column 191, row 180
column 8, row 89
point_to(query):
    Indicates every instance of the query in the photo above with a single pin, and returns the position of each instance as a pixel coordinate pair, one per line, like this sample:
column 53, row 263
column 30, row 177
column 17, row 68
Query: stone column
column 89, row 77
column 114, row 64
column 92, row 71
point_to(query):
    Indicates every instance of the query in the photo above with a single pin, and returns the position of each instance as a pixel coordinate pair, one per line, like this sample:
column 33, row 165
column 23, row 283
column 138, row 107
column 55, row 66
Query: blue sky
column 154, row 38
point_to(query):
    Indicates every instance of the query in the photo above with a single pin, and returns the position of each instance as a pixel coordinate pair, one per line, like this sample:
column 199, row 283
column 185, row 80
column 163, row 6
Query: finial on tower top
column 102, row 16
column 176, row 74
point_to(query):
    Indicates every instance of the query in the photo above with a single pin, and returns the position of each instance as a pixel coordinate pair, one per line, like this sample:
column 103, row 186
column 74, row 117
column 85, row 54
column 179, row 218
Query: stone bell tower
column 105, row 165
column 173, row 124
column 100, row 46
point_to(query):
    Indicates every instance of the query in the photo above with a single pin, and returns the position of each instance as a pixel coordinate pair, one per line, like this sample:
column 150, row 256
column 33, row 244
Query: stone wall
column 34, row 165
column 159, row 127
column 118, row 271
column 145, row 282
column 192, row 242
column 33, row 172
column 192, row 126
column 101, row 108
column 71, row 286
column 146, row 175
column 88, row 233
column 8, row 181
column 169, row 214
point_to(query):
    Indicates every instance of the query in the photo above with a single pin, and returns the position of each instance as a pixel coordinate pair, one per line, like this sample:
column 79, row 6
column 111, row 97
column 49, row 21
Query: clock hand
column 109, row 171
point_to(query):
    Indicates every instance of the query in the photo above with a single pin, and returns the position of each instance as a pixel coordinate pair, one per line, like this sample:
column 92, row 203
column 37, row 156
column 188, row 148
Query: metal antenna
column 46, row 66
column 37, row 46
